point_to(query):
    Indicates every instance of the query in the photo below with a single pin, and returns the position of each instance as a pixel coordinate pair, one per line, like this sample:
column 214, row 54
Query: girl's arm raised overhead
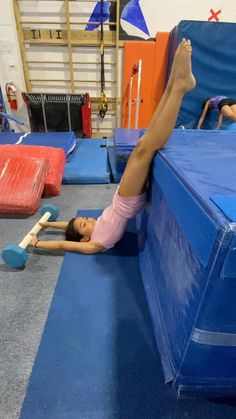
column 88, row 247
column 61, row 225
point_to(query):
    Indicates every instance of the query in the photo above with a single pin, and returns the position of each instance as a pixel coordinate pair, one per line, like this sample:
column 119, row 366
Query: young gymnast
column 225, row 105
column 87, row 235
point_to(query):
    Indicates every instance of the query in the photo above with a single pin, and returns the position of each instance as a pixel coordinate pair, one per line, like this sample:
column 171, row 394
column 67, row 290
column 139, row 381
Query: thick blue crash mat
column 120, row 148
column 188, row 260
column 64, row 140
column 116, row 176
column 88, row 163
column 124, row 142
column 214, row 62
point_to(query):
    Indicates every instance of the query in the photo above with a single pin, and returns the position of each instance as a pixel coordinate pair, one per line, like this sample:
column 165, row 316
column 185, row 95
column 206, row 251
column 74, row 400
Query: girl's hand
column 33, row 240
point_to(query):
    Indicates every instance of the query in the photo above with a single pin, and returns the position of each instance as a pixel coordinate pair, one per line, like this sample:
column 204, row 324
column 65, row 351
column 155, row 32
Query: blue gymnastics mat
column 97, row 358
column 125, row 140
column 64, row 140
column 88, row 163
column 214, row 62
column 120, row 148
column 116, row 176
column 189, row 261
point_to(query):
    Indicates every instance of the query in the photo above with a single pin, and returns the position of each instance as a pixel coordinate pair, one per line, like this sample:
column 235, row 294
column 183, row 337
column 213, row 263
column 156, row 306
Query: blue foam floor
column 97, row 358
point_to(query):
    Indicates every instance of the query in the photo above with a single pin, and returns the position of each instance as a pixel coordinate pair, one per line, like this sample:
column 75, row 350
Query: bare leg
column 169, row 84
column 228, row 112
column 137, row 169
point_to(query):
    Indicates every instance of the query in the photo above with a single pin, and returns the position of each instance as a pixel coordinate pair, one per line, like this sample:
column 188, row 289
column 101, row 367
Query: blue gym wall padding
column 214, row 63
column 188, row 261
column 88, row 163
column 64, row 140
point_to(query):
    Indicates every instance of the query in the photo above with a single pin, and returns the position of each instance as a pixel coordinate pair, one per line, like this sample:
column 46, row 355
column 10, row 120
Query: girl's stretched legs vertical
column 167, row 91
column 137, row 170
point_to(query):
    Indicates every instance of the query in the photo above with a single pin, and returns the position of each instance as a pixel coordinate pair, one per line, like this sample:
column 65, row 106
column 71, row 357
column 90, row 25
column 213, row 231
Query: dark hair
column 71, row 234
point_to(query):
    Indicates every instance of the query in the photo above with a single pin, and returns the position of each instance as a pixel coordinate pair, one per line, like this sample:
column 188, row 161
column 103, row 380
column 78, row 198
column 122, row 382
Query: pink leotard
column 110, row 226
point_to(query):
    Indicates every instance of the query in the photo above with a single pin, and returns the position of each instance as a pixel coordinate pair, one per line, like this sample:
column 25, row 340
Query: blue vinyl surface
column 8, row 137
column 126, row 136
column 88, row 163
column 213, row 63
column 116, row 176
column 97, row 358
column 64, row 140
column 205, row 159
column 188, row 261
column 124, row 140
column 227, row 204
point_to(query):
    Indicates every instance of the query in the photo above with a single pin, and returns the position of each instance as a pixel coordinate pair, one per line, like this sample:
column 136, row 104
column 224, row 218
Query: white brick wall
column 10, row 62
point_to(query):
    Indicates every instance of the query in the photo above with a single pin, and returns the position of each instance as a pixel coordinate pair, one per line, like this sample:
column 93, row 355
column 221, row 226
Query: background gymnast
column 88, row 235
column 225, row 105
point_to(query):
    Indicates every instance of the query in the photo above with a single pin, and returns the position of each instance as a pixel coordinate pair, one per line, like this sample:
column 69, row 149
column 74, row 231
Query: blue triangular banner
column 96, row 15
column 133, row 14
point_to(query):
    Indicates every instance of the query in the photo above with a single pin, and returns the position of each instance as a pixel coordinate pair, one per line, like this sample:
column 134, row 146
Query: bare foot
column 175, row 63
column 184, row 77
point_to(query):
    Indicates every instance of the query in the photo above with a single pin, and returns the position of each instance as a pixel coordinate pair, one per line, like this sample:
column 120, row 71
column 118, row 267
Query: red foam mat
column 22, row 181
column 55, row 156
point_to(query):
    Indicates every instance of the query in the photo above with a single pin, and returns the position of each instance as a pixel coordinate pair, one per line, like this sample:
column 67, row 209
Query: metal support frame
column 137, row 69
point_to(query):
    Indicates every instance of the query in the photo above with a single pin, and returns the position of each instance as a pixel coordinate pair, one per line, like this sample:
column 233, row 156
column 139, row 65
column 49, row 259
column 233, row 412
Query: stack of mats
column 27, row 172
column 116, row 176
column 213, row 63
column 56, row 162
column 88, row 163
column 32, row 164
column 63, row 140
column 124, row 142
column 119, row 150
column 21, row 183
column 188, row 260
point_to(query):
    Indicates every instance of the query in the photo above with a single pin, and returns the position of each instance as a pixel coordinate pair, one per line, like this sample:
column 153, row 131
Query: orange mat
column 154, row 63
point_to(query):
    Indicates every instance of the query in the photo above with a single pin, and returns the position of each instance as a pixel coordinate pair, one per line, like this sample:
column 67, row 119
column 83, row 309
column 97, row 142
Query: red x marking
column 214, row 15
